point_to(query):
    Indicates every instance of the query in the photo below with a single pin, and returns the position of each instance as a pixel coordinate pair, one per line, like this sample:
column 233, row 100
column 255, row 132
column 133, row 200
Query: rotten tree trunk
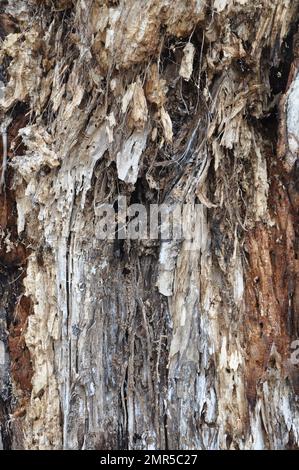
column 146, row 344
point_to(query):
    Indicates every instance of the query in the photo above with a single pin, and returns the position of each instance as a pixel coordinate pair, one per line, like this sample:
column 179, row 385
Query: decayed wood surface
column 146, row 345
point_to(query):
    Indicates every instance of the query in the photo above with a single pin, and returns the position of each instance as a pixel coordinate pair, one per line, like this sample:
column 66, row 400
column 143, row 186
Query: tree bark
column 146, row 344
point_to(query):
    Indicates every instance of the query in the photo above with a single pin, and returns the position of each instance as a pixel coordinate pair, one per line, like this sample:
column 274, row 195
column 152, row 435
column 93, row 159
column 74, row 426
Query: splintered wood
column 148, row 344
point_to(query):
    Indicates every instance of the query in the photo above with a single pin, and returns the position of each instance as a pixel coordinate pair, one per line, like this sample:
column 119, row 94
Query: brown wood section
column 272, row 285
column 21, row 367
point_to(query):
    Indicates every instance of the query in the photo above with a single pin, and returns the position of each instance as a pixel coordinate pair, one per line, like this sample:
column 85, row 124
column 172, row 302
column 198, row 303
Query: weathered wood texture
column 139, row 345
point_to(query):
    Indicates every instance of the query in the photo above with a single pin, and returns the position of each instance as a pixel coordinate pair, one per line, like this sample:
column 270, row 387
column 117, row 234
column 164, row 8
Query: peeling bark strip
column 145, row 344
